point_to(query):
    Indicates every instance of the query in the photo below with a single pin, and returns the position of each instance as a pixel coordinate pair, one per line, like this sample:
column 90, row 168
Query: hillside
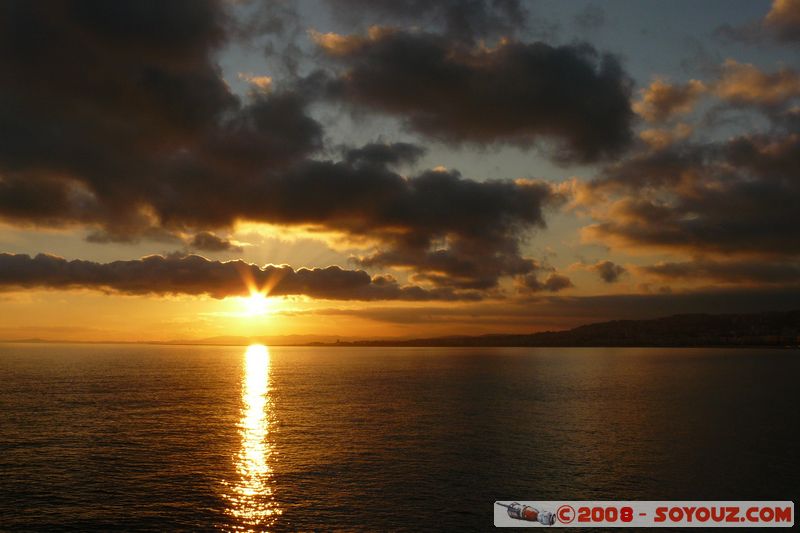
column 758, row 329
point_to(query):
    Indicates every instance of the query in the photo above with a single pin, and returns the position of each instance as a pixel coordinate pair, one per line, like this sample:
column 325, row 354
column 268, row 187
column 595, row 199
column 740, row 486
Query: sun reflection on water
column 251, row 499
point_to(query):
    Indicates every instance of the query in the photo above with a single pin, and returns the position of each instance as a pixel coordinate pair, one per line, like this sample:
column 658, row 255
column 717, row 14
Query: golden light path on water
column 251, row 499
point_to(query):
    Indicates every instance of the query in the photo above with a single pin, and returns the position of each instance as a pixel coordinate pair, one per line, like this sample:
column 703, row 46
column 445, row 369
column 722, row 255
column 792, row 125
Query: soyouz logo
column 644, row 514
column 531, row 514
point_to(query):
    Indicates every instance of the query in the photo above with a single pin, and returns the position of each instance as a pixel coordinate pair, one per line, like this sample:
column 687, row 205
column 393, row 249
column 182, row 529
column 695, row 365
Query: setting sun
column 257, row 304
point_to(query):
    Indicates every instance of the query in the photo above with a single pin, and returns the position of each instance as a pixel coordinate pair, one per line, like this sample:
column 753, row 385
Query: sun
column 257, row 304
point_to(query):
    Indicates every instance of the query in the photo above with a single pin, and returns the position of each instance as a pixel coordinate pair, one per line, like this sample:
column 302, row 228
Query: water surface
column 293, row 438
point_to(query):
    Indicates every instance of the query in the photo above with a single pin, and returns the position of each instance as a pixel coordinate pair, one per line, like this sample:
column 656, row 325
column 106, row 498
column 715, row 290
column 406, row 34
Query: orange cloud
column 663, row 100
column 336, row 44
column 784, row 19
column 744, row 83
column 261, row 83
column 660, row 138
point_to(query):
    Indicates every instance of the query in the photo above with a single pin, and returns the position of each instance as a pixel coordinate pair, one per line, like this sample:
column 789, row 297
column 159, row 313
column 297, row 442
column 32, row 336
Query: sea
column 268, row 438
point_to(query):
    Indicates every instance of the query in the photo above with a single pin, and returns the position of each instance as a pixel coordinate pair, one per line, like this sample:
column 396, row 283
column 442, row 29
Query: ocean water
column 296, row 439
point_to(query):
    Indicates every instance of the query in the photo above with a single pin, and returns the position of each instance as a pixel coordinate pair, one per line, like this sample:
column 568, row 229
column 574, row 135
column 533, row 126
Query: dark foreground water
column 150, row 437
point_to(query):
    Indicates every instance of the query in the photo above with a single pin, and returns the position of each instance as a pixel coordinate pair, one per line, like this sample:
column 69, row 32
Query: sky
column 348, row 169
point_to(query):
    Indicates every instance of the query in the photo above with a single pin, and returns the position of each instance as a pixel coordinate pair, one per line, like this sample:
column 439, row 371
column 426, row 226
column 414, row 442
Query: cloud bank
column 195, row 275
column 514, row 93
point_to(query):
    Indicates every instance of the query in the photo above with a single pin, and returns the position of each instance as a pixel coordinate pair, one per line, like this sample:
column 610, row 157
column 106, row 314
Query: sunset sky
column 359, row 169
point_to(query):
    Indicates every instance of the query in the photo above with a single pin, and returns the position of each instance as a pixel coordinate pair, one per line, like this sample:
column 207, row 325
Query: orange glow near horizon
column 77, row 316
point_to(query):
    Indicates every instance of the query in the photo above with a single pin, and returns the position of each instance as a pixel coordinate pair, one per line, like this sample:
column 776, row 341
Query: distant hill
column 758, row 329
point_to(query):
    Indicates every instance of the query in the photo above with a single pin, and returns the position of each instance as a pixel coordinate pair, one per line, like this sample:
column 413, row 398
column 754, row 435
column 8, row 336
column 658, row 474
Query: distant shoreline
column 756, row 330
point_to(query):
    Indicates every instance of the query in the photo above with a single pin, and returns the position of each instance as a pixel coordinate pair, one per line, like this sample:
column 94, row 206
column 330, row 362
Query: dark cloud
column 514, row 93
column 728, row 271
column 732, row 201
column 460, row 265
column 196, row 275
column 377, row 154
column 555, row 312
column 115, row 117
column 111, row 108
column 456, row 232
column 136, row 235
column 738, row 196
column 608, row 271
column 553, row 282
column 466, row 20
column 447, row 229
column 209, row 242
